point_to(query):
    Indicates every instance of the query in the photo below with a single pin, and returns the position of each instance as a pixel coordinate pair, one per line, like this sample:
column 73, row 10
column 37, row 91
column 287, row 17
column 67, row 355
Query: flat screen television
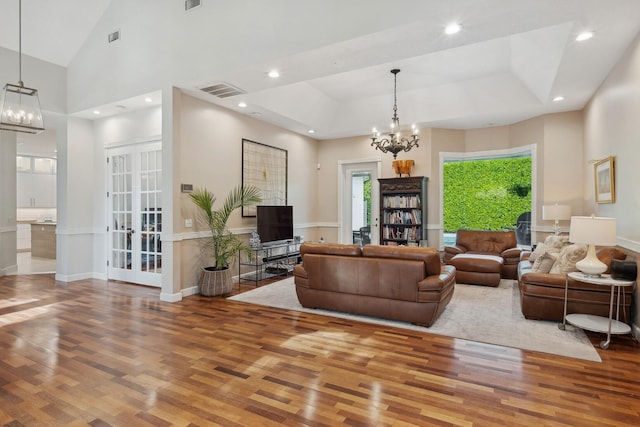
column 275, row 223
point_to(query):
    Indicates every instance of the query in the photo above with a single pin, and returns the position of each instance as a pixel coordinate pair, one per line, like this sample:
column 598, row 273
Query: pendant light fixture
column 395, row 143
column 20, row 105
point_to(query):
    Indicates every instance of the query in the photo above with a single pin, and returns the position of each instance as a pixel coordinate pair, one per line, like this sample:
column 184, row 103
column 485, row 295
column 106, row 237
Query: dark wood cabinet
column 403, row 211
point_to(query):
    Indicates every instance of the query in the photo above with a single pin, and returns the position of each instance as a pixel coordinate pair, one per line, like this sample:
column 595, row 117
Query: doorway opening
column 359, row 201
column 135, row 214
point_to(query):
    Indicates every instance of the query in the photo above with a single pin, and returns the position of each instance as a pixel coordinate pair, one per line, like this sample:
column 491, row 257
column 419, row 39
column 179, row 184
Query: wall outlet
column 188, row 223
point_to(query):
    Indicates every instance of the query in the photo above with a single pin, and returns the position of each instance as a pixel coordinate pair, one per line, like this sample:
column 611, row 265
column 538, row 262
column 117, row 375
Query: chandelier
column 395, row 143
column 19, row 105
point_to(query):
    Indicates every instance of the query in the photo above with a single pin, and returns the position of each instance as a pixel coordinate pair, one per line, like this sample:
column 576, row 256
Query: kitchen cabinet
column 43, row 240
column 36, row 187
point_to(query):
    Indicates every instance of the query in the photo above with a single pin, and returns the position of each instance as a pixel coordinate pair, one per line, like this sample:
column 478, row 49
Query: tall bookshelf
column 403, row 211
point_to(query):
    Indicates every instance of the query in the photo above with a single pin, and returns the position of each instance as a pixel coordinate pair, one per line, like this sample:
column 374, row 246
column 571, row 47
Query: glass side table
column 594, row 323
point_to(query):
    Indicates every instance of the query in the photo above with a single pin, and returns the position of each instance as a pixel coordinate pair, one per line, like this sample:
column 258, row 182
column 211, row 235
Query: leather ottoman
column 477, row 269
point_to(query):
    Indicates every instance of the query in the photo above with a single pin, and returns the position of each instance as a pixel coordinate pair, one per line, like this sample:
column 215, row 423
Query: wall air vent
column 222, row 90
column 190, row 4
column 112, row 37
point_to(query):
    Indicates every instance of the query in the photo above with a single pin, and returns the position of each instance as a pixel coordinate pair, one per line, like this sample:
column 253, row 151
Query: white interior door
column 359, row 201
column 135, row 214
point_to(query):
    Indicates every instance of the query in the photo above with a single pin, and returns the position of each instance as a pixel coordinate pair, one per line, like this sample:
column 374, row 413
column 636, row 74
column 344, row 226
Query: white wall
column 210, row 155
column 48, row 78
column 129, row 128
column 8, row 259
column 75, row 192
column 612, row 128
column 558, row 172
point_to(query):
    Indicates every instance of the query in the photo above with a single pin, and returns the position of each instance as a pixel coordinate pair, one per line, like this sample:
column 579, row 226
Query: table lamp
column 592, row 231
column 556, row 213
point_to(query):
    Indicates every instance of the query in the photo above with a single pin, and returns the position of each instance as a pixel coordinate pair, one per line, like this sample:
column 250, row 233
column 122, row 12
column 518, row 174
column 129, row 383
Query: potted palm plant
column 223, row 246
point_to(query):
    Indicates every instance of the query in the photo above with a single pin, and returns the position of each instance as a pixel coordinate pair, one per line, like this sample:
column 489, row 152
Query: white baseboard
column 12, row 269
column 189, row 291
column 167, row 297
column 74, row 277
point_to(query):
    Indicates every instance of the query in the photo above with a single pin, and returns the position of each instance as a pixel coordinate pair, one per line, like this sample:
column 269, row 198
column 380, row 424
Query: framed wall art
column 266, row 168
column 604, row 175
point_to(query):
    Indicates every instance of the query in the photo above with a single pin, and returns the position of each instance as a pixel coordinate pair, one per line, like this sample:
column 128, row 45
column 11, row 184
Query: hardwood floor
column 106, row 353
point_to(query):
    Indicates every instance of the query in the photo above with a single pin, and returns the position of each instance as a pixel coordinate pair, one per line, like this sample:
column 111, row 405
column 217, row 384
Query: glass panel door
column 359, row 202
column 135, row 200
column 151, row 211
column 121, row 212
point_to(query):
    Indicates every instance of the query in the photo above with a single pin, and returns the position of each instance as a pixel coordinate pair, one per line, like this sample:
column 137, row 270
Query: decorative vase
column 403, row 167
column 215, row 282
column 254, row 240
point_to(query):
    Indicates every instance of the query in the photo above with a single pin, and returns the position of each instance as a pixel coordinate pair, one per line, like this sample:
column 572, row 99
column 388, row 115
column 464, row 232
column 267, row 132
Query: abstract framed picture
column 264, row 167
column 604, row 175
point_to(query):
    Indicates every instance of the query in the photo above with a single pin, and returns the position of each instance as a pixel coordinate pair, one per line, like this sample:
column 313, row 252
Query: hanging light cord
column 20, row 83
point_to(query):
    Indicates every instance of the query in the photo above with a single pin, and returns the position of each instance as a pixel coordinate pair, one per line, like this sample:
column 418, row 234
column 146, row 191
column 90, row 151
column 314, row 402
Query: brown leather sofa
column 409, row 284
column 498, row 243
column 542, row 294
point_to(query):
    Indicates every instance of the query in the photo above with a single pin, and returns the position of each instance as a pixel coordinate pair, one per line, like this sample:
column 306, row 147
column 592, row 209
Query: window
column 487, row 191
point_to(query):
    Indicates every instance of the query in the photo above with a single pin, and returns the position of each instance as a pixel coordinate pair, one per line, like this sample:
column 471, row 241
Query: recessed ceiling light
column 452, row 28
column 147, row 99
column 558, row 98
column 584, row 36
column 242, row 104
column 274, row 74
column 311, row 131
column 96, row 112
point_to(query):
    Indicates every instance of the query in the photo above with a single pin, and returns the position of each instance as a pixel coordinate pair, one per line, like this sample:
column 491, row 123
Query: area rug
column 476, row 313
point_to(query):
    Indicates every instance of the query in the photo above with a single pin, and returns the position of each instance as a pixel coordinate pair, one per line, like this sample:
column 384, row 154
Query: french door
column 359, row 202
column 135, row 213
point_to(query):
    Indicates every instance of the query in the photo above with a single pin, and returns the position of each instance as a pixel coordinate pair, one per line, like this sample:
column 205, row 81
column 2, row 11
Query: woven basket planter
column 215, row 282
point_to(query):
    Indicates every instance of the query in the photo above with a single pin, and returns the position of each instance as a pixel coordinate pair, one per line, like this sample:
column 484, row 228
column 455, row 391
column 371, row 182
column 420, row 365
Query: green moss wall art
column 486, row 194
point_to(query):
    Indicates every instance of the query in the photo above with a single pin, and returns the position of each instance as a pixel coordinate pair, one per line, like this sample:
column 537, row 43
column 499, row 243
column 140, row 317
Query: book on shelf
column 402, row 201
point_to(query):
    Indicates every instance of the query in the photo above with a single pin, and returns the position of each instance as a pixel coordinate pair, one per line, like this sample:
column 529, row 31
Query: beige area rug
column 476, row 313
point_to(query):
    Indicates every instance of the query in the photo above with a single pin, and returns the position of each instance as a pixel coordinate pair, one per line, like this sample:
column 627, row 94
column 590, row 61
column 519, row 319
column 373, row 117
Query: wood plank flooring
column 111, row 354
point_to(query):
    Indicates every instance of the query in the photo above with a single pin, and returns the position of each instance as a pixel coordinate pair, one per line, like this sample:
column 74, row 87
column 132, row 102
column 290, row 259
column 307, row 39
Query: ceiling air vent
column 112, row 37
column 190, row 4
column 222, row 90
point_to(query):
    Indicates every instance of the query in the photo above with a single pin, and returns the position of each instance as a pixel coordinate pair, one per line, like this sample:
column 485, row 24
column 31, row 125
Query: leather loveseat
column 542, row 294
column 401, row 283
column 501, row 244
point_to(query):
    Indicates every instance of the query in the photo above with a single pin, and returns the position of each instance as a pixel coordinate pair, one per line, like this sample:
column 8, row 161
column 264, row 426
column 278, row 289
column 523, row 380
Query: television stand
column 268, row 261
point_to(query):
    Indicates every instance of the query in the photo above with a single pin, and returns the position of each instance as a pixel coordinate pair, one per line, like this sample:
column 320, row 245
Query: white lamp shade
column 556, row 212
column 593, row 230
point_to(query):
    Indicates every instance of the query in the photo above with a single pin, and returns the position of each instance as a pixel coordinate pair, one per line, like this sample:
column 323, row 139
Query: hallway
column 34, row 265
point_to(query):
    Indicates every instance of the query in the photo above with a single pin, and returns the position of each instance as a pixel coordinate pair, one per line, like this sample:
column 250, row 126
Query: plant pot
column 215, row 282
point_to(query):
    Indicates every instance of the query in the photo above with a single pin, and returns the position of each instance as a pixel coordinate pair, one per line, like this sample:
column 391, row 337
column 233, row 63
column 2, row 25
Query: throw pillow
column 538, row 251
column 567, row 259
column 557, row 242
column 544, row 263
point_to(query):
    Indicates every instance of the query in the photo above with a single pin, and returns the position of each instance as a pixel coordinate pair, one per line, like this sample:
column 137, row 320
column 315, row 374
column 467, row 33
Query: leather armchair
column 497, row 243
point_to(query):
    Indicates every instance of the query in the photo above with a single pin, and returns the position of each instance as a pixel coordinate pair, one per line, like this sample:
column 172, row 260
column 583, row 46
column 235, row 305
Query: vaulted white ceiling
column 508, row 62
